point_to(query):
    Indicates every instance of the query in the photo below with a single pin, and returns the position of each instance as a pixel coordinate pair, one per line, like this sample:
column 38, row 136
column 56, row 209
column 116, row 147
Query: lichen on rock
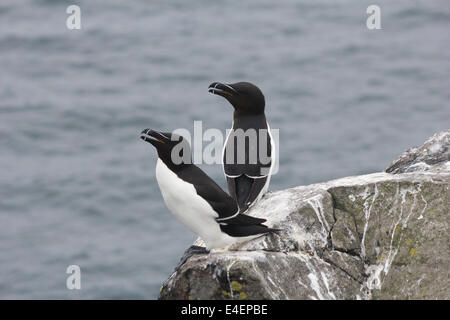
column 376, row 236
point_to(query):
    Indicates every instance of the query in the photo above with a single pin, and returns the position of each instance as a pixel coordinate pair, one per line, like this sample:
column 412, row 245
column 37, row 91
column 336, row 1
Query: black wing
column 243, row 226
column 226, row 207
column 221, row 202
column 245, row 190
column 205, row 187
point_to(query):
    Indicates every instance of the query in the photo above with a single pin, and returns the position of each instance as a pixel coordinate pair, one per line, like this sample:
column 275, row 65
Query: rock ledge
column 377, row 236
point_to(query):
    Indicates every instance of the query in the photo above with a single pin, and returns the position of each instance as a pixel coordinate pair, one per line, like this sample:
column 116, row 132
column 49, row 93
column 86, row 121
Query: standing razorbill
column 195, row 199
column 248, row 180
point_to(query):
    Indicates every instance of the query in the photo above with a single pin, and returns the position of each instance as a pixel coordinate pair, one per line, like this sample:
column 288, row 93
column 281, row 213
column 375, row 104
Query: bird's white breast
column 189, row 208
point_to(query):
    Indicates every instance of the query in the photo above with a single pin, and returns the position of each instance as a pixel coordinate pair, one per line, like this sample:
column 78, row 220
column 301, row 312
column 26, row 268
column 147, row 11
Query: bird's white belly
column 189, row 208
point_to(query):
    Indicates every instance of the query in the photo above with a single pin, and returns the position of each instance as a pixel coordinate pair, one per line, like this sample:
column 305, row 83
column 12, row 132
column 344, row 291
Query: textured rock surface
column 377, row 236
column 433, row 155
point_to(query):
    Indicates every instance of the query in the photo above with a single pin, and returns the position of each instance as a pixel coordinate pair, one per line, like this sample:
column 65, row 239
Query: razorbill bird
column 247, row 180
column 195, row 199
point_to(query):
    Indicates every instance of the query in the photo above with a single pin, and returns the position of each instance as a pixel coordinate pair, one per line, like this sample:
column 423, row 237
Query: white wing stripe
column 227, row 218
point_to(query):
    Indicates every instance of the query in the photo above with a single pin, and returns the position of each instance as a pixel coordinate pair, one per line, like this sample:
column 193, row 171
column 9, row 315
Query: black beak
column 222, row 89
column 151, row 136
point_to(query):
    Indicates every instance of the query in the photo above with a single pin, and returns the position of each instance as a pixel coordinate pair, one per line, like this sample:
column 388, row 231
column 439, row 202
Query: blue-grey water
column 77, row 186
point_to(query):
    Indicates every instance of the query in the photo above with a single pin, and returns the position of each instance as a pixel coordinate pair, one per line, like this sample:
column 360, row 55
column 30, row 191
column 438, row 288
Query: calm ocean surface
column 77, row 185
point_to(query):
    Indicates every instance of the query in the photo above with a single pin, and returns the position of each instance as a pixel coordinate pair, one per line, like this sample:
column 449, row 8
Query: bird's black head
column 173, row 149
column 245, row 97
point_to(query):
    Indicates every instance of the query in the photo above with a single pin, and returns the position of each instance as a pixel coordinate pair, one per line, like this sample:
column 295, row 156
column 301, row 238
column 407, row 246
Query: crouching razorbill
column 195, row 199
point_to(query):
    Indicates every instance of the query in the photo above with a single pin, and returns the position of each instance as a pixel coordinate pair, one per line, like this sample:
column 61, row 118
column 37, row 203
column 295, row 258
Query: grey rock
column 433, row 155
column 376, row 236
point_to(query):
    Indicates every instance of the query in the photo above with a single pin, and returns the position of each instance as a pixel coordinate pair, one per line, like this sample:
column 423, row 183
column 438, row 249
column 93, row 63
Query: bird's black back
column 251, row 151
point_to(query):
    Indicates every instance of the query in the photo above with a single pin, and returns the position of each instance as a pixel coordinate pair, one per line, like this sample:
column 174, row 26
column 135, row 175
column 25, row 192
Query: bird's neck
column 243, row 114
column 174, row 162
column 250, row 121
